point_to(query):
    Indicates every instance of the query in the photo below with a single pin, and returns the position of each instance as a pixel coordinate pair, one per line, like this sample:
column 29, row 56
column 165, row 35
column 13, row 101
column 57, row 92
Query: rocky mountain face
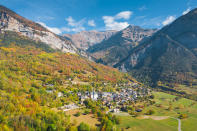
column 83, row 40
column 10, row 21
column 170, row 55
column 118, row 46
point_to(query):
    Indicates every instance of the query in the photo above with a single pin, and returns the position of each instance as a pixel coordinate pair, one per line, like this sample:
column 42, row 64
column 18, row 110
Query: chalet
column 116, row 110
column 60, row 94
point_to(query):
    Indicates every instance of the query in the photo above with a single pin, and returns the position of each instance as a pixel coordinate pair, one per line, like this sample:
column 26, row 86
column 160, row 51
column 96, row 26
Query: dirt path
column 154, row 117
column 179, row 126
column 179, row 123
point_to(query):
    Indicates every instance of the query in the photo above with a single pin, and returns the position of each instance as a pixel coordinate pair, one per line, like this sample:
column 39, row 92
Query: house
column 138, row 110
column 116, row 110
column 49, row 91
column 69, row 107
column 60, row 94
column 106, row 94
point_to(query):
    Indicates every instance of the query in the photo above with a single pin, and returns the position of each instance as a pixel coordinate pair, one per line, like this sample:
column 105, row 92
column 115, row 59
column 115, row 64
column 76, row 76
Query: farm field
column 167, row 106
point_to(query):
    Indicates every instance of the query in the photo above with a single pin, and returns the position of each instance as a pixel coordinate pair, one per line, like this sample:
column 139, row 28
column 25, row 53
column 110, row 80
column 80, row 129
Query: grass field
column 88, row 119
column 134, row 124
column 179, row 106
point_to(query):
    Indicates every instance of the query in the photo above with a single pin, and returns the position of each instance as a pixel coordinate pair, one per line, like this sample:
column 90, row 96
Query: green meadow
column 168, row 106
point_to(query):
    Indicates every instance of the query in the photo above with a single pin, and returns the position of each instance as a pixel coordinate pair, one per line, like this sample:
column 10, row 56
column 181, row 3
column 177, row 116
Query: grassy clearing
column 88, row 119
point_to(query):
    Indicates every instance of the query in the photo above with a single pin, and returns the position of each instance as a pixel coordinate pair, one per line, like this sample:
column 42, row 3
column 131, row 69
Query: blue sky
column 71, row 16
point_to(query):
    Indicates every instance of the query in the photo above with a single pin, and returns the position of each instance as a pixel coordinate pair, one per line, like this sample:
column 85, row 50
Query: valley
column 125, row 78
column 167, row 111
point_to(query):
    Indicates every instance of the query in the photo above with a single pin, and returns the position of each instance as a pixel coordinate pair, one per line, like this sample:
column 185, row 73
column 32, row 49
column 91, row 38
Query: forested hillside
column 30, row 70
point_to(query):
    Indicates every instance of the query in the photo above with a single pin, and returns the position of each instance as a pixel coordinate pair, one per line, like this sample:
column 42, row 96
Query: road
column 179, row 123
column 179, row 126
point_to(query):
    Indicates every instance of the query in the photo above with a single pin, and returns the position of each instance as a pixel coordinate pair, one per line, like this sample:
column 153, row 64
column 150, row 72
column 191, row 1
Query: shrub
column 177, row 98
column 183, row 116
column 83, row 127
column 51, row 127
column 99, row 114
column 128, row 127
column 1, row 119
column 152, row 97
column 170, row 108
column 150, row 112
column 78, row 114
column 73, row 128
column 117, row 120
column 86, row 112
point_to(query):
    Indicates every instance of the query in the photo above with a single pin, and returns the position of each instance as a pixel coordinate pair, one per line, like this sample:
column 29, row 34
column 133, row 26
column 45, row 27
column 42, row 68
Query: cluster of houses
column 112, row 100
column 124, row 94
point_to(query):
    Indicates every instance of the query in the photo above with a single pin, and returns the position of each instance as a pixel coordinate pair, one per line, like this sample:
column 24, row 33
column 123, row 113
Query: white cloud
column 124, row 15
column 112, row 23
column 75, row 26
column 168, row 20
column 142, row 8
column 186, row 11
column 71, row 21
column 76, row 29
column 150, row 22
column 52, row 29
column 40, row 18
column 91, row 23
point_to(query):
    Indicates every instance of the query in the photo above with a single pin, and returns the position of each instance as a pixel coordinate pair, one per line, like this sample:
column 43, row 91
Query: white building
column 94, row 95
column 60, row 94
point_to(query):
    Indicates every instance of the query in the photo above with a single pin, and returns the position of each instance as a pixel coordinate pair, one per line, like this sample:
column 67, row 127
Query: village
column 114, row 101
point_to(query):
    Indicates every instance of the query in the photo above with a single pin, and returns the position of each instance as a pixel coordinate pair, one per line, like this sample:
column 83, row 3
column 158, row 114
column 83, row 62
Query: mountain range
column 156, row 57
column 85, row 39
column 169, row 56
column 117, row 47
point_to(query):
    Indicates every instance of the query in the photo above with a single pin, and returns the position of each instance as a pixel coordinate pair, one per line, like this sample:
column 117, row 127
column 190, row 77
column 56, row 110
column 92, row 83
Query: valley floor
column 163, row 119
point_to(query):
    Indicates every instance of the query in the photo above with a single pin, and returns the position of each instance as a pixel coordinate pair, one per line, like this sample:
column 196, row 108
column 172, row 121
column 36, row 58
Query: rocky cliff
column 10, row 21
column 83, row 40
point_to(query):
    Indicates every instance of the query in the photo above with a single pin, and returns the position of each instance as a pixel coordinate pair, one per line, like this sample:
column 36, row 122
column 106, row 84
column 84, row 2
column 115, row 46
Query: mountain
column 10, row 21
column 117, row 47
column 37, row 81
column 83, row 40
column 169, row 56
